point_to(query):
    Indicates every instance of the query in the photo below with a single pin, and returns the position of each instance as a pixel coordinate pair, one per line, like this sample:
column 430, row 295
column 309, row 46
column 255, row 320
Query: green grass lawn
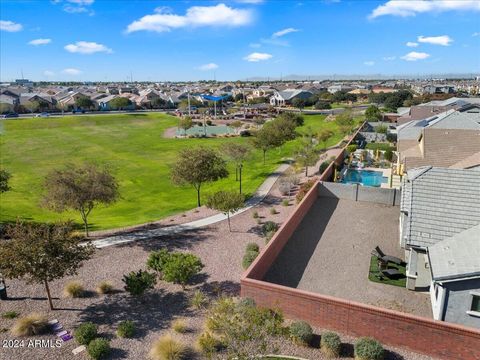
column 133, row 146
column 374, row 272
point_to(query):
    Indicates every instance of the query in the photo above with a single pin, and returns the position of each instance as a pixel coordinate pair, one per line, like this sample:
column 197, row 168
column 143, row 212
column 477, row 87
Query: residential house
column 285, row 97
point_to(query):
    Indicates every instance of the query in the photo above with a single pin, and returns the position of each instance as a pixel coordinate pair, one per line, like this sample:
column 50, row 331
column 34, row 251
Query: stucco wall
column 459, row 300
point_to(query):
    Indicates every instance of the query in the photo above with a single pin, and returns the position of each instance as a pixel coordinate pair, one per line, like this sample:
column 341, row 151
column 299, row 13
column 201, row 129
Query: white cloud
column 86, row 47
column 476, row 34
column 411, row 44
column 406, row 8
column 48, row 73
column 389, row 58
column 76, row 6
column 443, row 40
column 81, row 2
column 284, row 32
column 209, row 66
column 218, row 15
column 250, row 1
column 71, row 71
column 255, row 45
column 10, row 26
column 256, row 57
column 37, row 42
column 369, row 63
column 414, row 56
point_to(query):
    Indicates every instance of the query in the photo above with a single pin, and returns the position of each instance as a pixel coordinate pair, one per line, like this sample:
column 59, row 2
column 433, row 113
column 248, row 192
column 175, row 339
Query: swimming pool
column 364, row 177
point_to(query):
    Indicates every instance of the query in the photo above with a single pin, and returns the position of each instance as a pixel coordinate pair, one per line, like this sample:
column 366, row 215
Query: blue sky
column 106, row 40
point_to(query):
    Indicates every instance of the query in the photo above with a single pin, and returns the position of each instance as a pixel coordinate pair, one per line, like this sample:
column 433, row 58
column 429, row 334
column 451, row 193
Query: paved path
column 259, row 195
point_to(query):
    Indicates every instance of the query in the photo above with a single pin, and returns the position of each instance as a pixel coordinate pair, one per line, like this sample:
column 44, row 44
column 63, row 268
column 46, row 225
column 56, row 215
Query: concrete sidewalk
column 260, row 194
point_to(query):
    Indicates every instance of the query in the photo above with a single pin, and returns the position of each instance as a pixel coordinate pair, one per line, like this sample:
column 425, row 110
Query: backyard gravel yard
column 220, row 250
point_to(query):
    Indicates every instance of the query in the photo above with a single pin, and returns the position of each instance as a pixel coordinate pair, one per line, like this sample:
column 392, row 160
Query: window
column 475, row 303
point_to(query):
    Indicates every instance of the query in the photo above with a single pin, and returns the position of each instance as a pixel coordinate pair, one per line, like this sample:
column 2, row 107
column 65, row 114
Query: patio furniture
column 392, row 273
column 387, row 258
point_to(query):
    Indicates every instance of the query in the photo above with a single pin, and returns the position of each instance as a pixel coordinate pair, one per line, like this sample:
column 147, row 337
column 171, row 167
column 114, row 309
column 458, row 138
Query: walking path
column 259, row 195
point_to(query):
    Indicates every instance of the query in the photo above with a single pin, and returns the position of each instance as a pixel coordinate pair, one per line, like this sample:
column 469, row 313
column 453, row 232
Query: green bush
column 248, row 258
column 157, row 259
column 273, row 211
column 304, row 189
column 252, row 247
column 208, row 344
column 98, row 348
column 330, row 344
column 10, row 315
column 198, row 300
column 126, row 329
column 255, row 215
column 368, row 349
column 351, row 148
column 301, row 332
column 85, row 333
column 379, row 146
column 269, row 226
column 136, row 283
column 285, row 202
column 388, row 155
column 323, row 166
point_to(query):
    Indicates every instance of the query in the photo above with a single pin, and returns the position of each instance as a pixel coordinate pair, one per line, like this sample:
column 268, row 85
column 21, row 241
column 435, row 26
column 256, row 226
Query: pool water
column 364, row 177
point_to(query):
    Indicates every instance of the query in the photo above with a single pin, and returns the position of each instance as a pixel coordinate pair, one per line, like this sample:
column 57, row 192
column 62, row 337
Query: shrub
column 136, row 283
column 323, row 166
column 273, row 211
column 209, row 122
column 10, row 315
column 285, row 202
column 98, row 348
column 175, row 267
column 252, row 247
column 330, row 344
column 368, row 349
column 248, row 258
column 104, row 287
column 157, row 259
column 269, row 226
column 269, row 236
column 301, row 332
column 255, row 215
column 285, row 185
column 208, row 344
column 246, row 302
column 179, row 326
column 351, row 148
column 388, row 155
column 126, row 329
column 33, row 324
column 167, row 348
column 85, row 333
column 73, row 289
column 198, row 300
column 304, row 188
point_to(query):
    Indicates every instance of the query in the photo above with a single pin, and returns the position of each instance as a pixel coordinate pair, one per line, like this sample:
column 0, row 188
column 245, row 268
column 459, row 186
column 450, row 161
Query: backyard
column 134, row 148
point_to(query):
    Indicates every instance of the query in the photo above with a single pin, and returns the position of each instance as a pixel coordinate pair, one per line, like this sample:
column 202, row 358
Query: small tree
column 298, row 103
column 238, row 153
column 226, row 202
column 4, row 179
column 42, row 253
column 120, row 103
column 185, row 123
column 373, row 113
column 305, row 154
column 237, row 124
column 323, row 136
column 195, row 166
column 136, row 283
column 345, row 121
column 84, row 102
column 81, row 189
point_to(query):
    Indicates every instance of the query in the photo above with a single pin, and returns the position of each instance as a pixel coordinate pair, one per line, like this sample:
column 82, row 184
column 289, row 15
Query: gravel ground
column 220, row 250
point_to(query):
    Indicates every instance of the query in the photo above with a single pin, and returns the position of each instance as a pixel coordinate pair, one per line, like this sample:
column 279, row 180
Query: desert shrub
column 10, row 315
column 330, row 344
column 248, row 258
column 255, row 215
column 273, row 211
column 74, row 289
column 167, row 348
column 126, row 329
column 175, row 267
column 388, row 155
column 98, row 348
column 198, row 300
column 368, row 349
column 85, row 333
column 208, row 344
column 285, row 185
column 268, row 236
column 136, row 283
column 269, row 226
column 304, row 188
column 301, row 332
column 285, row 202
column 252, row 247
column 33, row 324
column 104, row 287
column 246, row 302
column 157, row 259
column 351, row 148
column 323, row 166
column 179, row 326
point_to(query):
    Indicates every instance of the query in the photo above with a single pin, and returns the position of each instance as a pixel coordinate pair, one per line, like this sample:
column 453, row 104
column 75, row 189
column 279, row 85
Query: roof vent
column 446, row 248
column 451, row 262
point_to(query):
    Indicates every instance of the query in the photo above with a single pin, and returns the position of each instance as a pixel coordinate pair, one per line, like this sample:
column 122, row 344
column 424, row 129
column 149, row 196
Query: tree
column 119, row 103
column 321, row 104
column 237, row 124
column 136, row 283
column 345, row 121
column 80, row 189
column 32, row 106
column 84, row 102
column 185, row 123
column 4, row 179
column 296, row 118
column 373, row 113
column 238, row 153
column 324, row 135
column 305, row 154
column 42, row 253
column 158, row 103
column 298, row 103
column 195, row 166
column 226, row 202
column 265, row 139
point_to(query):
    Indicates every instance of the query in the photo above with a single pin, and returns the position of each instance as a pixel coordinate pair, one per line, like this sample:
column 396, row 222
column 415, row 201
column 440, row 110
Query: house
column 45, row 101
column 438, row 89
column 285, row 97
column 440, row 232
column 336, row 88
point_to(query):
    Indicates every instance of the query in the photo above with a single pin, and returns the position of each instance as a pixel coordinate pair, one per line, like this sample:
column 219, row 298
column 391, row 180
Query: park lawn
column 133, row 146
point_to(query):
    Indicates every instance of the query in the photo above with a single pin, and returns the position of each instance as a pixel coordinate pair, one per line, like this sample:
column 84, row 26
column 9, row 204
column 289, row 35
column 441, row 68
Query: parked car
column 78, row 111
column 43, row 114
column 9, row 115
